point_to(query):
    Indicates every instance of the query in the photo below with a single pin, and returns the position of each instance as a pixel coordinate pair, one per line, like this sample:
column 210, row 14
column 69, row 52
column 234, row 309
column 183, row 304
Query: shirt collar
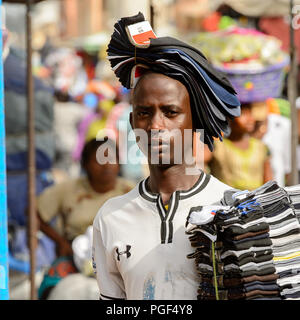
column 183, row 194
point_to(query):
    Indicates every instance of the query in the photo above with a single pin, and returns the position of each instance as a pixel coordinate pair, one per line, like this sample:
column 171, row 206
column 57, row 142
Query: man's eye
column 143, row 113
column 171, row 113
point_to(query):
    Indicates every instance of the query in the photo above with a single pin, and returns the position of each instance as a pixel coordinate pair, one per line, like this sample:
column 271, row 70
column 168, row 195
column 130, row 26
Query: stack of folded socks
column 284, row 233
column 248, row 247
column 240, row 266
column 287, row 249
column 294, row 195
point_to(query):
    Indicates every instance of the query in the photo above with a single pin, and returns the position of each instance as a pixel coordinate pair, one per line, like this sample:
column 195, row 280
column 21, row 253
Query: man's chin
column 161, row 159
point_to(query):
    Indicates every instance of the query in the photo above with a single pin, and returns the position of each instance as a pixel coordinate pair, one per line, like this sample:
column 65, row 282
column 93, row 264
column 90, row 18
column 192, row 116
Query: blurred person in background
column 106, row 100
column 241, row 161
column 67, row 209
column 98, row 99
column 260, row 114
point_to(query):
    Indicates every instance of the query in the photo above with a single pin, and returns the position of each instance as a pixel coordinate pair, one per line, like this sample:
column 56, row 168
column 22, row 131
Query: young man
column 140, row 246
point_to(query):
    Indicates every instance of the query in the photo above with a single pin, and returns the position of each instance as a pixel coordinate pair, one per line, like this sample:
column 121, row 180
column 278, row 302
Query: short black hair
column 91, row 147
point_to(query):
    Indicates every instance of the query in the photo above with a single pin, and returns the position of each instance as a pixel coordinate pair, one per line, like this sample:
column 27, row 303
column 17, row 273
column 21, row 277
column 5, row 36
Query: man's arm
column 109, row 279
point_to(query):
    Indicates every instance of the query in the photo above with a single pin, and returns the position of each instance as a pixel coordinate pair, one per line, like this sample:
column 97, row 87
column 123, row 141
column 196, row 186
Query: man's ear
column 130, row 120
column 131, row 102
column 131, row 97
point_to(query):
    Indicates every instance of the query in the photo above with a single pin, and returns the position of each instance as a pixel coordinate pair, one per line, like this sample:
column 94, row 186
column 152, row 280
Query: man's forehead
column 159, row 85
column 149, row 76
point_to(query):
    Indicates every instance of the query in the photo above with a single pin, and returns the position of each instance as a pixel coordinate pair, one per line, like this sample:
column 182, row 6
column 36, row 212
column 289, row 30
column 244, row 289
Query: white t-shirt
column 278, row 140
column 140, row 249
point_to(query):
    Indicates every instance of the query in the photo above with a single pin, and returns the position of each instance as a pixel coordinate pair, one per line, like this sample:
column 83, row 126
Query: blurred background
column 76, row 96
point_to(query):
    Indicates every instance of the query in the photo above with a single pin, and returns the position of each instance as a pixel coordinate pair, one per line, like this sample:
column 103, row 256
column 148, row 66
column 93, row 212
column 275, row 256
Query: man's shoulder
column 215, row 189
column 216, row 183
column 222, row 192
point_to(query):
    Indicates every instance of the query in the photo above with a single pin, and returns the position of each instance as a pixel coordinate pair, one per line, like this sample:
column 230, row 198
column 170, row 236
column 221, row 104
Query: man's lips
column 156, row 142
column 159, row 146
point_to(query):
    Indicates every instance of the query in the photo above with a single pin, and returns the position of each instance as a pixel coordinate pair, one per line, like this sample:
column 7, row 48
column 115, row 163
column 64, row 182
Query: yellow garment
column 75, row 204
column 97, row 127
column 94, row 129
column 240, row 169
column 106, row 106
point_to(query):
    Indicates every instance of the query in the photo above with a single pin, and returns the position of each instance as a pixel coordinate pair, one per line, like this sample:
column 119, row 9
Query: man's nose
column 157, row 122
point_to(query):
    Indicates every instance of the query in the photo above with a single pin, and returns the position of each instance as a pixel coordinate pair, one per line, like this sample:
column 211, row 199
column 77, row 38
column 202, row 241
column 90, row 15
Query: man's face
column 161, row 107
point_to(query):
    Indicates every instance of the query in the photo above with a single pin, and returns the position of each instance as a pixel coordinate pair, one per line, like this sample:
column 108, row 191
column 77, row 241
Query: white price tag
column 140, row 33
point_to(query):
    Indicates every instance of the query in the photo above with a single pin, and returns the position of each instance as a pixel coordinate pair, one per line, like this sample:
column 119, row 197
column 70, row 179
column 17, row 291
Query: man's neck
column 166, row 180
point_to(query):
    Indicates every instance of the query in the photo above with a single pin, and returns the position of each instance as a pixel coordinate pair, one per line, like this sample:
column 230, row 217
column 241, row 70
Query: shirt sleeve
column 49, row 202
column 109, row 280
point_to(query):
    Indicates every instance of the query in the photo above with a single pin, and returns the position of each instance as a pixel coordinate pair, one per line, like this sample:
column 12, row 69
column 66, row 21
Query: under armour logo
column 128, row 254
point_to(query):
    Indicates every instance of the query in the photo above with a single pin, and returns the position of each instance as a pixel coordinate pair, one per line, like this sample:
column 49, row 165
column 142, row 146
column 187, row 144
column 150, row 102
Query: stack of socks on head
column 248, row 247
column 212, row 97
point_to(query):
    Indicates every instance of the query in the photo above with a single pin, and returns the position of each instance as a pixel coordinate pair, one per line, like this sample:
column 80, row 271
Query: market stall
column 274, row 9
column 251, row 59
column 256, row 8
